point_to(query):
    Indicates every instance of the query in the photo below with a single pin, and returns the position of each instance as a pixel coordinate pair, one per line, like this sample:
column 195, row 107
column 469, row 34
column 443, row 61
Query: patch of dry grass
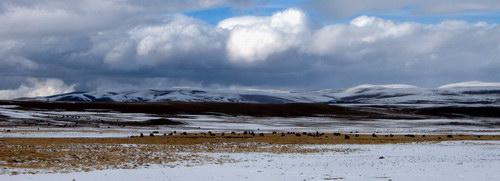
column 292, row 138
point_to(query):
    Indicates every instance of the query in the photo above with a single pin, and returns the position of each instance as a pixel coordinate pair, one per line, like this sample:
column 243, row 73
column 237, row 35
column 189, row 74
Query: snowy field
column 222, row 123
column 205, row 123
column 451, row 160
column 461, row 160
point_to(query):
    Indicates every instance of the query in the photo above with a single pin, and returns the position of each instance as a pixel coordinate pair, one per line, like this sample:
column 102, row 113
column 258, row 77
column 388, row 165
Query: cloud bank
column 36, row 87
column 95, row 44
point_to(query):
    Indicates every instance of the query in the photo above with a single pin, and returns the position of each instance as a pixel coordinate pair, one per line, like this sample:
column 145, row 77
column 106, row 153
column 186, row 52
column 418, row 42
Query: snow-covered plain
column 203, row 123
column 328, row 124
column 459, row 160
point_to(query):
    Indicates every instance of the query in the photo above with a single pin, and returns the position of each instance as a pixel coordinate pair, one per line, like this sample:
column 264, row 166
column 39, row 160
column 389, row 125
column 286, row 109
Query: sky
column 55, row 46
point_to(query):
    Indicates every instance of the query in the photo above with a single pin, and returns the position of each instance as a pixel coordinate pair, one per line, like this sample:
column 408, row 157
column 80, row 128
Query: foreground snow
column 470, row 160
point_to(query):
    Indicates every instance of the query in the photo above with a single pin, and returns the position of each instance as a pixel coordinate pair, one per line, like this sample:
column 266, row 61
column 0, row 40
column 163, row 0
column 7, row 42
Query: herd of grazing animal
column 346, row 136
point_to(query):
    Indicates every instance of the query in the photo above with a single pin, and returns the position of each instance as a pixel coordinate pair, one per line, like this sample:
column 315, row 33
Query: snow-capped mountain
column 459, row 93
column 190, row 95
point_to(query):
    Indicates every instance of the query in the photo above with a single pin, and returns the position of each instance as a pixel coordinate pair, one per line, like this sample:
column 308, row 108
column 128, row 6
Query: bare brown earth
column 84, row 154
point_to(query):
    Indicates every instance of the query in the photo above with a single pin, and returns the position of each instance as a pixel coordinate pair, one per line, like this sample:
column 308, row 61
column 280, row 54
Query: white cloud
column 244, row 40
column 34, row 87
column 362, row 32
column 254, row 39
column 175, row 40
column 180, row 36
column 370, row 39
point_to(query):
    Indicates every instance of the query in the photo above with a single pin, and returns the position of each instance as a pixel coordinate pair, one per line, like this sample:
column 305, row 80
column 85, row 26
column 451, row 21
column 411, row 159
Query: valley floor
column 359, row 143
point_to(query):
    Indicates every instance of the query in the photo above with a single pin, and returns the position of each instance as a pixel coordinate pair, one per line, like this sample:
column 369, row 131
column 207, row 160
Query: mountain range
column 473, row 92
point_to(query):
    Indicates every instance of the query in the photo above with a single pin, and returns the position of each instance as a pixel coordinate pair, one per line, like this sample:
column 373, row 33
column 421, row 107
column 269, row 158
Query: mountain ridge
column 473, row 92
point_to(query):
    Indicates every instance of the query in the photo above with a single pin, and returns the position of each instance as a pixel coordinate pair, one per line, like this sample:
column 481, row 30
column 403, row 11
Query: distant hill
column 459, row 93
